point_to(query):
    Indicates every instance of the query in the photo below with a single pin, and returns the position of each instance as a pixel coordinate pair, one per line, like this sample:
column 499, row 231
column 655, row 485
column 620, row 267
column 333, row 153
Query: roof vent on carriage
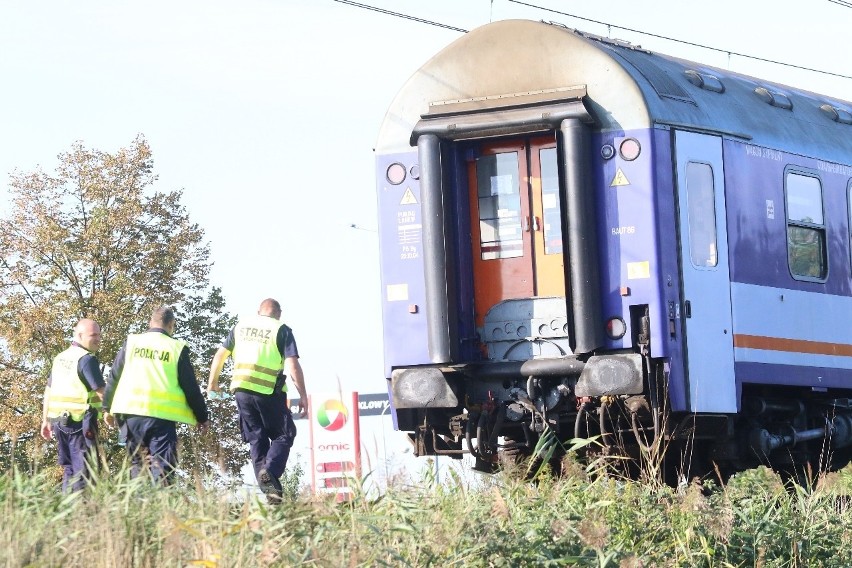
column 705, row 81
column 774, row 98
column 836, row 113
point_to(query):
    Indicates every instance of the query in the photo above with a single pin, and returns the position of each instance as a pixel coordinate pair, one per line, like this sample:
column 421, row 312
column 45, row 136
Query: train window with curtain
column 806, row 248
column 701, row 211
column 499, row 206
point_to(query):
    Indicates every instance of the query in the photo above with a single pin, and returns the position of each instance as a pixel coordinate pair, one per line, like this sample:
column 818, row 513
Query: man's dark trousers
column 160, row 437
column 267, row 425
column 75, row 451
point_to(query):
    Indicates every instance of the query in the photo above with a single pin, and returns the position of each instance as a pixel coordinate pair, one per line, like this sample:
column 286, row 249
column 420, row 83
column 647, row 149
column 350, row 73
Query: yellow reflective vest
column 148, row 385
column 66, row 392
column 257, row 360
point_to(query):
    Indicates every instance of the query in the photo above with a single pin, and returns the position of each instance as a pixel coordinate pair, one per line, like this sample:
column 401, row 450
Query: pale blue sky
column 266, row 111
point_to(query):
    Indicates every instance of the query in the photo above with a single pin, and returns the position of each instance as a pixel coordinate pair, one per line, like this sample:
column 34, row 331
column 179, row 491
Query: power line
column 727, row 51
column 400, row 15
column 844, row 3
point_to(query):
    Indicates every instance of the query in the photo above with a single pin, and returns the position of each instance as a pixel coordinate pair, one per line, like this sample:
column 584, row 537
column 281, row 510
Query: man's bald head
column 270, row 307
column 87, row 333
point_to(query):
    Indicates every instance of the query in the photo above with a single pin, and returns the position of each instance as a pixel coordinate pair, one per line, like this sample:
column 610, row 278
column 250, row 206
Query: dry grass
column 573, row 521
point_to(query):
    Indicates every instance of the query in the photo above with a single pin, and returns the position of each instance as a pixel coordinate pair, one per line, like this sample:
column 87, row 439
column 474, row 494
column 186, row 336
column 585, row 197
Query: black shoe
column 270, row 486
column 264, row 480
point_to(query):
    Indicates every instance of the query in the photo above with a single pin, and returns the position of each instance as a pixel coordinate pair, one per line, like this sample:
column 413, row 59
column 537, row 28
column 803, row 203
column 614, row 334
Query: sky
column 265, row 113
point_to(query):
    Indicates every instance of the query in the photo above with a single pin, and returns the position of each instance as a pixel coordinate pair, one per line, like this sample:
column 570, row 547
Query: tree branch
column 21, row 284
column 18, row 368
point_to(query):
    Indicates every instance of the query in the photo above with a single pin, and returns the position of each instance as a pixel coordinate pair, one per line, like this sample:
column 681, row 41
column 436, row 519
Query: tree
column 92, row 240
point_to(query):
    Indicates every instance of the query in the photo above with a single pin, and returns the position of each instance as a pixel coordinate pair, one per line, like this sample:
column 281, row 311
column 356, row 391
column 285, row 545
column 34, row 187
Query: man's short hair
column 162, row 317
column 270, row 307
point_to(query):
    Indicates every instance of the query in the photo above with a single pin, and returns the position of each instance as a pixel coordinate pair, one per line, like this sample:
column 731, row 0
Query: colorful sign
column 369, row 404
column 332, row 415
column 335, row 444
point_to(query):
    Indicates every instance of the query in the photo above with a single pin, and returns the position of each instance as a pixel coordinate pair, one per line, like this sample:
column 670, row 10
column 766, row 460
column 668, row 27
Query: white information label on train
column 397, row 292
column 638, row 270
column 770, row 209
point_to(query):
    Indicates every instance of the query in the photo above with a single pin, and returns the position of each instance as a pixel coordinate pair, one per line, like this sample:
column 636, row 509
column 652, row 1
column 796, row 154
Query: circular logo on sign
column 332, row 415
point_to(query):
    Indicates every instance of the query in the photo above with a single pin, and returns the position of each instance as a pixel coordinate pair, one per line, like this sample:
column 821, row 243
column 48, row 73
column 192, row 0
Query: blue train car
column 583, row 237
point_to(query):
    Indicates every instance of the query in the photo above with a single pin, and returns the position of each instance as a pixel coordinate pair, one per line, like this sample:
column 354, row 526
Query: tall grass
column 576, row 520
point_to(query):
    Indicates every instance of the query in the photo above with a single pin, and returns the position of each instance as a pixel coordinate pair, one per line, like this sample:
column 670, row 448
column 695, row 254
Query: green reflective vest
column 257, row 360
column 66, row 392
column 148, row 385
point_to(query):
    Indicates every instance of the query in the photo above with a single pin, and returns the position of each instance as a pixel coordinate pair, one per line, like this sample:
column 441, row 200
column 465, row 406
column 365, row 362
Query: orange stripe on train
column 792, row 345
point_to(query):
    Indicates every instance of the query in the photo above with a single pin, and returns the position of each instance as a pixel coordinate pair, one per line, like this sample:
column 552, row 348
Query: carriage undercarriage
column 537, row 421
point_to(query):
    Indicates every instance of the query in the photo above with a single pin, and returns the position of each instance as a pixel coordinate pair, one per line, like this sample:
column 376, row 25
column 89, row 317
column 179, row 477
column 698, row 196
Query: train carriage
column 583, row 237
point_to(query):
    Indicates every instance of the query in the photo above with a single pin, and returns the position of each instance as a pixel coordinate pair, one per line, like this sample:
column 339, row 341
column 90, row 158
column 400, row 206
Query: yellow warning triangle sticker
column 619, row 179
column 408, row 197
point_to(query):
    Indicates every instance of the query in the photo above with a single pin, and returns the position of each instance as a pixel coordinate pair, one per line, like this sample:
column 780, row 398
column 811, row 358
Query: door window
column 550, row 202
column 500, row 217
column 701, row 206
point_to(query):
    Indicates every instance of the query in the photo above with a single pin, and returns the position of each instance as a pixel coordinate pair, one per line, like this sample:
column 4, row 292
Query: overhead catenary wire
column 400, row 15
column 658, row 36
column 843, row 3
column 729, row 52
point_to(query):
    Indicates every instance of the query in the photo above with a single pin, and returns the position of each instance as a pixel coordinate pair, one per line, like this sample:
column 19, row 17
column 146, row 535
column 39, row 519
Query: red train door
column 516, row 224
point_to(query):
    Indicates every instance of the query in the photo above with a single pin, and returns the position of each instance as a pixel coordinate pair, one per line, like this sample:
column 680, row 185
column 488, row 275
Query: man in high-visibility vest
column 71, row 403
column 151, row 385
column 265, row 354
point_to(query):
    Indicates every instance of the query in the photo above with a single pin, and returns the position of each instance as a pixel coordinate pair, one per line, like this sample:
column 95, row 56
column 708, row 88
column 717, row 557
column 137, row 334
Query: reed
column 576, row 519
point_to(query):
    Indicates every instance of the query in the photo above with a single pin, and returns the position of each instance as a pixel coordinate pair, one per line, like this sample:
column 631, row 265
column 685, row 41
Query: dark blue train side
column 585, row 237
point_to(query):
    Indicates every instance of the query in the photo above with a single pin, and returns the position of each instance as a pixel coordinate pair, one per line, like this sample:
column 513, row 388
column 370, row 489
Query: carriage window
column 849, row 206
column 550, row 202
column 701, row 205
column 499, row 206
column 805, row 226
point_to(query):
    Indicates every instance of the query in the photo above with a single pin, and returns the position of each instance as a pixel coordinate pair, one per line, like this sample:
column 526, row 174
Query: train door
column 516, row 224
column 706, row 308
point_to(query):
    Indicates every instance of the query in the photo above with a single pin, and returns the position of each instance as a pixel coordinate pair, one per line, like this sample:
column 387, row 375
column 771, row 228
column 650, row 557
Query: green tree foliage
column 203, row 324
column 94, row 239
